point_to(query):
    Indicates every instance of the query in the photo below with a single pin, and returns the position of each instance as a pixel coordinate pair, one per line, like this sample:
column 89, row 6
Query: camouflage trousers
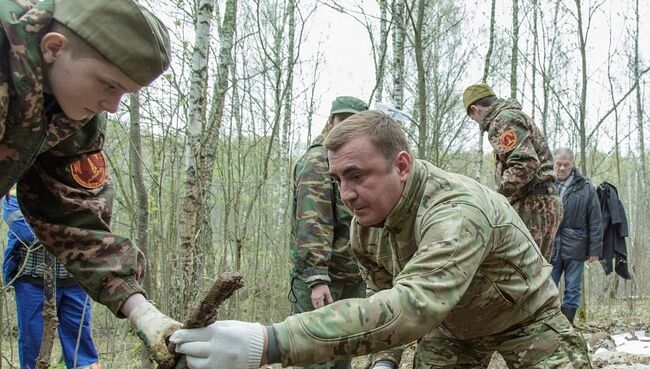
column 300, row 299
column 548, row 342
column 542, row 215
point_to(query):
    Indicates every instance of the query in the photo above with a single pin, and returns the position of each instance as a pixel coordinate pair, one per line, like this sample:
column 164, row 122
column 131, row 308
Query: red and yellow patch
column 508, row 139
column 90, row 172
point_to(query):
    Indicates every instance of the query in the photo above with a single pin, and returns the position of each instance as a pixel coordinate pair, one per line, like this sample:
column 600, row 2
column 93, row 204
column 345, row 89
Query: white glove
column 153, row 327
column 225, row 344
column 383, row 364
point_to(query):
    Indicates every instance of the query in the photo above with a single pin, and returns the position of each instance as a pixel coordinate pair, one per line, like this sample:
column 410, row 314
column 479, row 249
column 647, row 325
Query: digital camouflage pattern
column 320, row 229
column 63, row 189
column 452, row 254
column 302, row 303
column 524, row 162
column 555, row 345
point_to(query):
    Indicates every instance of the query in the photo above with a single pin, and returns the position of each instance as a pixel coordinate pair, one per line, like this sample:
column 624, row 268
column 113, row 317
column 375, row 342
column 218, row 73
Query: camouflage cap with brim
column 347, row 104
column 475, row 93
column 122, row 31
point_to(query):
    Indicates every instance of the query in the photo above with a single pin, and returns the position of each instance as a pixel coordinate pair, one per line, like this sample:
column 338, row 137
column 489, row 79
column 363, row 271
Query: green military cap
column 122, row 31
column 476, row 92
column 347, row 104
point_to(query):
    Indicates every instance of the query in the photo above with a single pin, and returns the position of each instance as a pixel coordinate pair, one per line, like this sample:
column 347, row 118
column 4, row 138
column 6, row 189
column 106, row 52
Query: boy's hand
column 153, row 328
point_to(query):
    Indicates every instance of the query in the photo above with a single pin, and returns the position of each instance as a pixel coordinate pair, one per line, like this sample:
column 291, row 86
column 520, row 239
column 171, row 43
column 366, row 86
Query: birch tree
column 193, row 234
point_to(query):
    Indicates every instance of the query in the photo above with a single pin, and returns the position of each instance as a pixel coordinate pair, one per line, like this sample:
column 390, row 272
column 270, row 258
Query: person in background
column 580, row 236
column 524, row 164
column 324, row 269
column 22, row 268
column 448, row 260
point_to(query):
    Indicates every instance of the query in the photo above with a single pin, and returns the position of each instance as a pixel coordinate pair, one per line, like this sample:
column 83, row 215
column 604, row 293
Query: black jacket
column 615, row 230
column 580, row 234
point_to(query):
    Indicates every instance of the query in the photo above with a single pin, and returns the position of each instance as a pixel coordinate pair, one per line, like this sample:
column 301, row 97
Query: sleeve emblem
column 508, row 139
column 90, row 172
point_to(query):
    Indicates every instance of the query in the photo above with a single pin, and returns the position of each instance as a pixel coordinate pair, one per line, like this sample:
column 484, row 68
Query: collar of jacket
column 578, row 179
column 318, row 141
column 409, row 202
column 495, row 109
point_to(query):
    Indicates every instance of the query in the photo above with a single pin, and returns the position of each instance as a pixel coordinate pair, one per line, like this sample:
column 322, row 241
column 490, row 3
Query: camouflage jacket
column 320, row 227
column 523, row 159
column 451, row 254
column 63, row 186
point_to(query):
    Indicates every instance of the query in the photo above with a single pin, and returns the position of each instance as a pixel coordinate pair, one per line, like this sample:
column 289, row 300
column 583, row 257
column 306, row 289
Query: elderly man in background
column 580, row 236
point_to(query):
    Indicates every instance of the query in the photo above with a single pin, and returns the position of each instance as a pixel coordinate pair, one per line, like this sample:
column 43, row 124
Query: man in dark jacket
column 580, row 236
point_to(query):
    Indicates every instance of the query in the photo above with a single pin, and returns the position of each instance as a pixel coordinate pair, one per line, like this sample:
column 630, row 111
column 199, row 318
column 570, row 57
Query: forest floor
column 120, row 349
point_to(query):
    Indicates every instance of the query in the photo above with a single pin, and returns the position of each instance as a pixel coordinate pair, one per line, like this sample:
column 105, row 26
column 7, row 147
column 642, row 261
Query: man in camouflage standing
column 63, row 63
column 524, row 163
column 324, row 269
column 449, row 261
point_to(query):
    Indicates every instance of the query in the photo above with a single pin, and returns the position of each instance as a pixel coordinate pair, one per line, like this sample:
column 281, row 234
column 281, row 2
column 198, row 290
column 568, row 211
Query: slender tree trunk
column 515, row 49
column 486, row 74
column 383, row 46
column 639, row 101
column 399, row 39
column 582, row 313
column 227, row 38
column 194, row 212
column 142, row 207
column 422, row 87
column 643, row 183
column 534, row 62
column 583, row 94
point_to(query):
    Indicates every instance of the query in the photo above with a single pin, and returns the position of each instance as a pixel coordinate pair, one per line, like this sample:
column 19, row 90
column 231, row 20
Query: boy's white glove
column 153, row 328
column 224, row 344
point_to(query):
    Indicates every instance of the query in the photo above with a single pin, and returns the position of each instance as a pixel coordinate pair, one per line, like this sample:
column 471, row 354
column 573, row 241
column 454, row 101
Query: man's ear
column 52, row 44
column 403, row 162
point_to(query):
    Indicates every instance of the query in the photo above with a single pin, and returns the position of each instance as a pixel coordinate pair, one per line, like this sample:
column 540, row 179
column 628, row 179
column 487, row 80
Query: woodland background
column 203, row 159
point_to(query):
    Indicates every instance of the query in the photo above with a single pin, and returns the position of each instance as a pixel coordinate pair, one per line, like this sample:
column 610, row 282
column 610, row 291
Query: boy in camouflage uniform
column 524, row 163
column 63, row 64
column 449, row 261
column 324, row 269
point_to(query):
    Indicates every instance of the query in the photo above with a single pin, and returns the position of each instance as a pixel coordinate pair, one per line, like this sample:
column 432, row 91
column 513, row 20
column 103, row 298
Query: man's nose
column 347, row 192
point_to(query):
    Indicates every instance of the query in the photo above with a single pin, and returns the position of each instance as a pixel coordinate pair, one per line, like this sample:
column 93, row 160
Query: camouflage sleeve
column 67, row 198
column 314, row 218
column 377, row 279
column 514, row 151
column 429, row 286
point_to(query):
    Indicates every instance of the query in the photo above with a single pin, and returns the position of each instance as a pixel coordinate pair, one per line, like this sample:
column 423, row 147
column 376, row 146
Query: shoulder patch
column 508, row 139
column 90, row 172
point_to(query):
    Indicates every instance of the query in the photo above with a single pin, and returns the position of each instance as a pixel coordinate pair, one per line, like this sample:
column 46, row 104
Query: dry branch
column 207, row 311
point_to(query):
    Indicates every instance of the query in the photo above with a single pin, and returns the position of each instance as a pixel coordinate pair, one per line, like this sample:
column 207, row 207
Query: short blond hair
column 384, row 133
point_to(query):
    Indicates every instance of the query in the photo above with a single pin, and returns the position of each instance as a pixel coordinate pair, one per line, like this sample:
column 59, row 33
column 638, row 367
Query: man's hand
column 225, row 344
column 320, row 293
column 153, row 328
column 592, row 259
